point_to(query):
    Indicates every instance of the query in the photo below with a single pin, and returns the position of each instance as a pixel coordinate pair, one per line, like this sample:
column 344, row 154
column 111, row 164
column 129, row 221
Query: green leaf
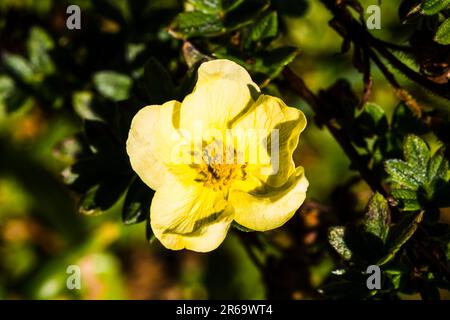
column 245, row 13
column 157, row 83
column 404, row 121
column 443, row 33
column 136, row 207
column 400, row 234
column 106, row 147
column 416, row 151
column 103, row 196
column 83, row 174
column 408, row 199
column 20, row 67
column 38, row 45
column 195, row 23
column 417, row 154
column 377, row 217
column 432, row 7
column 265, row 28
column 336, row 238
column 209, row 19
column 229, row 5
column 402, row 173
column 395, row 276
column 112, row 85
column 372, row 119
column 205, row 6
column 437, row 180
column 83, row 105
column 438, row 168
column 275, row 60
column 11, row 98
column 266, row 65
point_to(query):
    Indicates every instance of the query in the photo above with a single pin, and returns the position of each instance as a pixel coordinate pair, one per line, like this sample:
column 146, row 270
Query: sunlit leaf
column 113, row 85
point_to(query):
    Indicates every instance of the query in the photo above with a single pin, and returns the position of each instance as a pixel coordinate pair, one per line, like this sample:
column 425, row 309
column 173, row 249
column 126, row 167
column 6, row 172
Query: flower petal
column 270, row 115
column 269, row 208
column 223, row 91
column 190, row 216
column 150, row 141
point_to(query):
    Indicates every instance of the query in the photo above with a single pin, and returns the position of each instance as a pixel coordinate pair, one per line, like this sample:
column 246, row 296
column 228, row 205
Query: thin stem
column 361, row 37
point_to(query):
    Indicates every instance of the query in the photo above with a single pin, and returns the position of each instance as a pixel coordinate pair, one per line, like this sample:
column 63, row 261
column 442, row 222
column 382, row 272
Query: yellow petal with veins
column 150, row 141
column 268, row 208
column 266, row 115
column 224, row 90
column 190, row 216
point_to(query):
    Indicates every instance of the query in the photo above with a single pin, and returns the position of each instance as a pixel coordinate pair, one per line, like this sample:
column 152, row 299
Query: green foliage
column 112, row 85
column 67, row 100
column 422, row 179
column 214, row 18
column 443, row 33
column 431, row 7
column 377, row 241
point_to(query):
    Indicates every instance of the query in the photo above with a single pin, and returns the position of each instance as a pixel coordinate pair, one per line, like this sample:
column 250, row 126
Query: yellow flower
column 223, row 154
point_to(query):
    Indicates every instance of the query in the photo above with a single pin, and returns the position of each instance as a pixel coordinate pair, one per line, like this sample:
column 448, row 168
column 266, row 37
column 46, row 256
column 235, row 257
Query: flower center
column 219, row 167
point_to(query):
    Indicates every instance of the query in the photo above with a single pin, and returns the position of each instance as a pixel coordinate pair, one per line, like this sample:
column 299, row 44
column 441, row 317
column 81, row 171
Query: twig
column 361, row 37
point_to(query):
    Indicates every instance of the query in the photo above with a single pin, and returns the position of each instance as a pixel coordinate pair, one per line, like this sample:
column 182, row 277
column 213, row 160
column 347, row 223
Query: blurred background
column 46, row 74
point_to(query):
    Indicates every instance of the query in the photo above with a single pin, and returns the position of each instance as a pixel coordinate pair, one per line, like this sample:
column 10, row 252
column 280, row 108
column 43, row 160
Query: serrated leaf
column 336, row 238
column 402, row 173
column 443, row 33
column 408, row 199
column 438, row 167
column 432, row 7
column 112, row 85
column 400, row 234
column 416, row 151
column 265, row 28
column 417, row 154
column 437, row 180
column 377, row 217
column 136, row 207
column 195, row 23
